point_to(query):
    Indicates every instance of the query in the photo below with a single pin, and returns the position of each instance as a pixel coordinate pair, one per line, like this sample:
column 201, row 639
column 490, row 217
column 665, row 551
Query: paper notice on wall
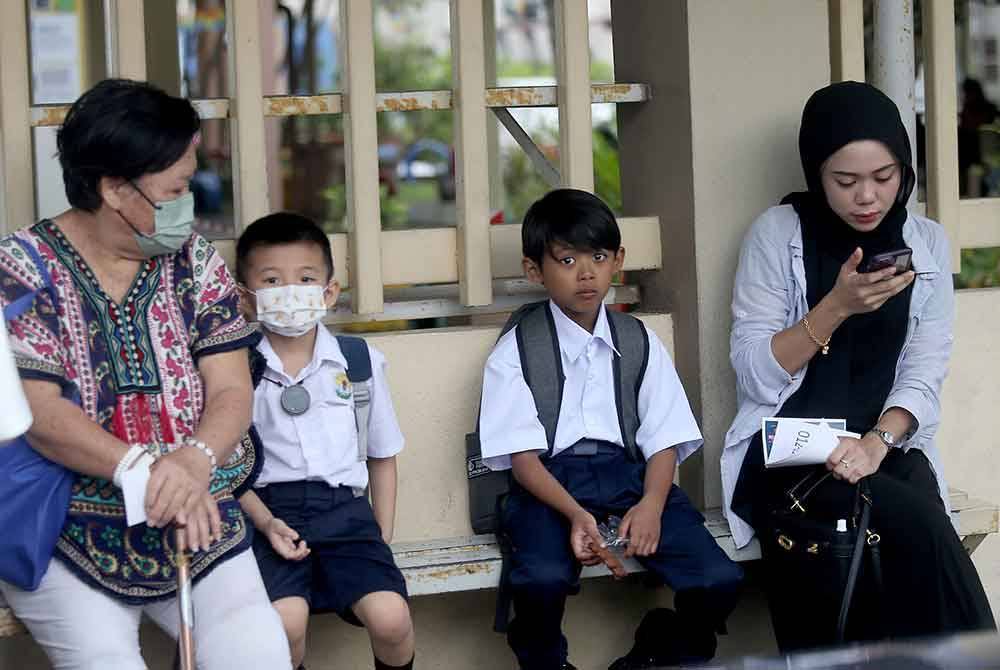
column 789, row 441
column 55, row 57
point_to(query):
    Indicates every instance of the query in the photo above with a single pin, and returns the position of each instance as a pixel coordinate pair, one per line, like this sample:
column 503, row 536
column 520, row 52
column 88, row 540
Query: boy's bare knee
column 294, row 612
column 386, row 616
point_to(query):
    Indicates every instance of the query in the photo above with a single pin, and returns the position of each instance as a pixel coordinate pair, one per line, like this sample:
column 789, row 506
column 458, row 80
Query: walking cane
column 185, row 637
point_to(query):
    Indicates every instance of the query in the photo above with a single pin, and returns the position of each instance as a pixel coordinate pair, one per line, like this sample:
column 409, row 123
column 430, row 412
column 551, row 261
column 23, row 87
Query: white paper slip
column 134, row 481
column 769, row 425
column 802, row 442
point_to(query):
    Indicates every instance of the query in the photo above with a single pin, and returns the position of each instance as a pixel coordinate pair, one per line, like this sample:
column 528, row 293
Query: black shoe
column 663, row 640
column 631, row 661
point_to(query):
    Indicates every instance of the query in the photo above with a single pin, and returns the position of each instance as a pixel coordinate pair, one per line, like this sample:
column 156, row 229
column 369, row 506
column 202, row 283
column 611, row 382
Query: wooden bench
column 473, row 562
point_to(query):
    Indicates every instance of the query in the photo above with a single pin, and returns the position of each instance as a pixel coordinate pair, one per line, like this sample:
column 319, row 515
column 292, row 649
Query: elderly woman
column 145, row 327
column 816, row 333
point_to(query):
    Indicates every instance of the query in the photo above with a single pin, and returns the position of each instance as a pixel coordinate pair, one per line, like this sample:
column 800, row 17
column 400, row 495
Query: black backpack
column 541, row 365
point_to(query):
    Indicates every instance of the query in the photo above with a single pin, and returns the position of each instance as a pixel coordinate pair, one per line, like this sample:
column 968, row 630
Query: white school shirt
column 322, row 444
column 508, row 418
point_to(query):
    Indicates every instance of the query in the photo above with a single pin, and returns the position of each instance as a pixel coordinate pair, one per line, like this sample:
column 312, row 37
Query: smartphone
column 901, row 258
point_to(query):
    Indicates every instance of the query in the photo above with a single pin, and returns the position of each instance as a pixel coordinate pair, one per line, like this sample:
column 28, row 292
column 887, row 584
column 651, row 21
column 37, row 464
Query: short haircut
column 276, row 229
column 121, row 128
column 569, row 217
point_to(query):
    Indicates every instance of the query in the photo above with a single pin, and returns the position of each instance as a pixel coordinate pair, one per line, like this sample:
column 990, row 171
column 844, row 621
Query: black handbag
column 824, row 562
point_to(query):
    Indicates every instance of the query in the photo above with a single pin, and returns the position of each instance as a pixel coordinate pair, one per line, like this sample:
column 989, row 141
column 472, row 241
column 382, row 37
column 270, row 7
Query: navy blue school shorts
column 349, row 558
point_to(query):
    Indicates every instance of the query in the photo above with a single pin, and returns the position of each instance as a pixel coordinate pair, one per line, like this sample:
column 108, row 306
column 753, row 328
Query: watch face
column 887, row 437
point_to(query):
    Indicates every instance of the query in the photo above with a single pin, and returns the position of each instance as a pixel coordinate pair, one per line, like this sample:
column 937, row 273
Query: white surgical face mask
column 291, row 310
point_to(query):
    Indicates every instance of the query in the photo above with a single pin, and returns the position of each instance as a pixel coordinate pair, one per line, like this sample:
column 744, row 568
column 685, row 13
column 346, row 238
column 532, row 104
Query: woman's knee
column 249, row 638
column 94, row 650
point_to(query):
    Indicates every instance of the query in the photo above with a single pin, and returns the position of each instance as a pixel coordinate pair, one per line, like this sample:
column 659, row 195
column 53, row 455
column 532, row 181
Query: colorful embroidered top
column 135, row 366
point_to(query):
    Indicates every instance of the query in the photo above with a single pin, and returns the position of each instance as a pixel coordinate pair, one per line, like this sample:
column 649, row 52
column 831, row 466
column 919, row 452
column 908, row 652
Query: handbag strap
column 22, row 304
column 804, row 488
column 864, row 538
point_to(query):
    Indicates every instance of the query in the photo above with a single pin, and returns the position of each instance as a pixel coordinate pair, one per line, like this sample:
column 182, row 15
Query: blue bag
column 34, row 490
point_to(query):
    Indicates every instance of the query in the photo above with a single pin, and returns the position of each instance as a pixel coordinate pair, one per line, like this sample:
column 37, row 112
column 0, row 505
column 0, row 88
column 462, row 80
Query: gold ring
column 846, row 463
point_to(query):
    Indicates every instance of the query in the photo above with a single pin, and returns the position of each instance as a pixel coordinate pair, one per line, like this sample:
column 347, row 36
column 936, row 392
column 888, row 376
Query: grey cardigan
column 770, row 295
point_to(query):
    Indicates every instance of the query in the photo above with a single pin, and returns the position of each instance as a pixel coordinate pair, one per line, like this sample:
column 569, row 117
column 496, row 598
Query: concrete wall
column 970, row 439
column 714, row 147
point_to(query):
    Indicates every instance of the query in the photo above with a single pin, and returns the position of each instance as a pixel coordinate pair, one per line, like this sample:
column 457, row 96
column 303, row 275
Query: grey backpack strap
column 541, row 365
column 359, row 373
column 632, row 342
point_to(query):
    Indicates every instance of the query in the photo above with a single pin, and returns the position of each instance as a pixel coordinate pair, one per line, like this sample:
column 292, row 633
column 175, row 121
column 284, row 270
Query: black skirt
column 930, row 585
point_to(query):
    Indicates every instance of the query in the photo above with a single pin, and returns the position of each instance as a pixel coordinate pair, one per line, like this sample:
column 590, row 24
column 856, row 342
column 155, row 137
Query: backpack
column 541, row 365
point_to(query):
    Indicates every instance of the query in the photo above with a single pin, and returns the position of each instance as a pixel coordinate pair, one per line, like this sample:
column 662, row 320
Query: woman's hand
column 854, row 459
column 175, row 481
column 861, row 292
column 203, row 524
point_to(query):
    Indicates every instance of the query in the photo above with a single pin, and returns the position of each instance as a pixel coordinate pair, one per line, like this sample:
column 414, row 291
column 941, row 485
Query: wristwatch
column 888, row 439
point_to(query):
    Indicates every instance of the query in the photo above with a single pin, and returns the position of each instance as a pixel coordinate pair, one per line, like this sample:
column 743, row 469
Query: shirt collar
column 326, row 349
column 923, row 260
column 573, row 339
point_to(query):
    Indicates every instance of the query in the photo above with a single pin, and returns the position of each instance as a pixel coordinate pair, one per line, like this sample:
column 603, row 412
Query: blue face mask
column 173, row 223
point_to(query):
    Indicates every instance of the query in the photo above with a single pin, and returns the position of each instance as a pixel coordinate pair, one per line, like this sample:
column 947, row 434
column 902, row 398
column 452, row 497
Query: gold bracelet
column 824, row 346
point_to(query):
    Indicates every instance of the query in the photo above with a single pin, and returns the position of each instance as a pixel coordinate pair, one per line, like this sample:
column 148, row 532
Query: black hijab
column 853, row 381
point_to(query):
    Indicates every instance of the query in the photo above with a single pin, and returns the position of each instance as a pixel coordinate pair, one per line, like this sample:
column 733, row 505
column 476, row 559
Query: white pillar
column 894, row 70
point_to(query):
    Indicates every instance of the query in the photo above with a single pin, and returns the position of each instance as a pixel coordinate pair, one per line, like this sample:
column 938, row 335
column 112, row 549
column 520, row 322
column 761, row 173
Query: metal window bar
column 397, row 101
column 361, row 143
column 17, row 170
column 472, row 197
column 249, row 150
column 125, row 27
column 847, row 40
column 576, row 141
column 942, row 140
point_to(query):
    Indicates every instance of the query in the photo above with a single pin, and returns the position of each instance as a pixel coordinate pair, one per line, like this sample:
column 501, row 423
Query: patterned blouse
column 134, row 364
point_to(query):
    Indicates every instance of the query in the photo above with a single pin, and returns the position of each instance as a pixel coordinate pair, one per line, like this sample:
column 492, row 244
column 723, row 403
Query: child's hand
column 641, row 525
column 283, row 540
column 584, row 538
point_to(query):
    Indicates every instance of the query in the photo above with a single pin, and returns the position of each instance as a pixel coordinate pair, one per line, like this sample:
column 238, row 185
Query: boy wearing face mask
column 321, row 546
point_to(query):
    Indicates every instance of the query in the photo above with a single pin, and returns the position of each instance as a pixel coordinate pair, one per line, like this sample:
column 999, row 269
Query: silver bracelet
column 133, row 454
column 205, row 449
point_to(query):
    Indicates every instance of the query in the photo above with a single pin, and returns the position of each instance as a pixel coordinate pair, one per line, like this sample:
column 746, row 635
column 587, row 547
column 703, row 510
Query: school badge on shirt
column 344, row 389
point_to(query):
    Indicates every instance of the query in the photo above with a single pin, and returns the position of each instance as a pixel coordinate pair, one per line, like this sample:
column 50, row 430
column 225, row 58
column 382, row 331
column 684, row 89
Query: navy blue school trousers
column 544, row 571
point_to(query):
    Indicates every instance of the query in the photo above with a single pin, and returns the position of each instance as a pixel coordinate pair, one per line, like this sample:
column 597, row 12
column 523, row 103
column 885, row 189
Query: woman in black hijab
column 816, row 335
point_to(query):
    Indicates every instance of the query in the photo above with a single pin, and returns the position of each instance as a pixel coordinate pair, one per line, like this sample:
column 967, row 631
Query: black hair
column 121, row 128
column 280, row 228
column 569, row 217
